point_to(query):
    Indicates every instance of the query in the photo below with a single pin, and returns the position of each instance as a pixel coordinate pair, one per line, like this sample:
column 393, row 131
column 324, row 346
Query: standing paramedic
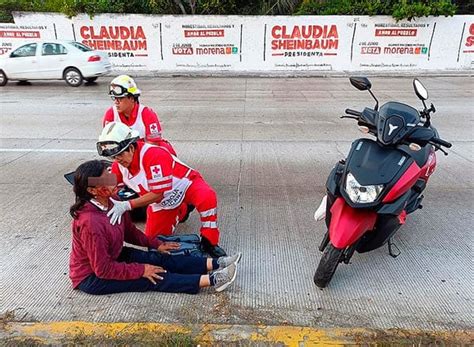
column 164, row 183
column 128, row 110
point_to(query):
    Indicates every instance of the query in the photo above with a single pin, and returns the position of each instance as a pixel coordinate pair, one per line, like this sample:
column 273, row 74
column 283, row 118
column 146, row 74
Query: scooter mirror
column 420, row 90
column 361, row 83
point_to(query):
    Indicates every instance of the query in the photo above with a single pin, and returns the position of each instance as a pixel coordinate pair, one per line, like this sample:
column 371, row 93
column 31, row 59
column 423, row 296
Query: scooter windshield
column 395, row 121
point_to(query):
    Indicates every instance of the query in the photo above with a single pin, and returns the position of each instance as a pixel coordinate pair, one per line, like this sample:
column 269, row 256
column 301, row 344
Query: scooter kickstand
column 391, row 245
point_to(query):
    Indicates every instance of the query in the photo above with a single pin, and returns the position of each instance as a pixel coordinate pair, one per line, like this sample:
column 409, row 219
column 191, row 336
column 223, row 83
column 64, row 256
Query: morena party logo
column 182, row 49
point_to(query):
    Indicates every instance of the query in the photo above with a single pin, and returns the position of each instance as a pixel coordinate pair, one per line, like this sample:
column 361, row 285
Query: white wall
column 12, row 35
column 267, row 44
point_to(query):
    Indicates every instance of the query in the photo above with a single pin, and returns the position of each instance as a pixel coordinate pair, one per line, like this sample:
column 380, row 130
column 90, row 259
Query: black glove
column 213, row 251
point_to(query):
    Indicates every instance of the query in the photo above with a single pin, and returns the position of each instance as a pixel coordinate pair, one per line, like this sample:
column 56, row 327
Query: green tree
column 465, row 6
column 399, row 9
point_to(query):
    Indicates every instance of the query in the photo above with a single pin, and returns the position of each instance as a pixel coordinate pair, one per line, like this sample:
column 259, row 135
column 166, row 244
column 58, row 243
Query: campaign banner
column 306, row 42
column 466, row 45
column 276, row 44
column 12, row 35
column 201, row 43
column 130, row 42
column 381, row 43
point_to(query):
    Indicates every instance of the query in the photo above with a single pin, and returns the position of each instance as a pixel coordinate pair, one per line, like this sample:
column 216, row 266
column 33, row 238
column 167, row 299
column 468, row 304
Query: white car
column 54, row 59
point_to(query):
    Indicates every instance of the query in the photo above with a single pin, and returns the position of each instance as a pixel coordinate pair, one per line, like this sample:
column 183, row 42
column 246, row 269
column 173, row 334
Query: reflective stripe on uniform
column 211, row 212
column 211, row 225
column 161, row 179
column 160, row 186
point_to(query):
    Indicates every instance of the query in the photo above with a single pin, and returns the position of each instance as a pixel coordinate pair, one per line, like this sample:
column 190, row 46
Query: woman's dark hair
column 92, row 168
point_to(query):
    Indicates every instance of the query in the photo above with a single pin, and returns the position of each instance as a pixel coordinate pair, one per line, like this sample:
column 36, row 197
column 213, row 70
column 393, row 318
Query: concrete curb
column 297, row 74
column 89, row 333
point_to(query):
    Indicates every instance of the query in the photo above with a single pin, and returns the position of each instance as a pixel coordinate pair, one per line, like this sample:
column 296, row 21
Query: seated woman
column 99, row 262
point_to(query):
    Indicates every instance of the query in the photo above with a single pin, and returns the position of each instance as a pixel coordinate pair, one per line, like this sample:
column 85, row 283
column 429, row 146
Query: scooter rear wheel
column 327, row 265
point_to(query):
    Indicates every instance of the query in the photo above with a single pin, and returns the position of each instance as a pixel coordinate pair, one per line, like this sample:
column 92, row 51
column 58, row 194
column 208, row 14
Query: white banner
column 269, row 44
column 466, row 46
column 382, row 43
column 306, row 43
column 12, row 35
column 201, row 43
column 131, row 42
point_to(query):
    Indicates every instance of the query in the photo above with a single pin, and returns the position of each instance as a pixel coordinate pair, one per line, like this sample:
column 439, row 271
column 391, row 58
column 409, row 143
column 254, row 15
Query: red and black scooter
column 370, row 193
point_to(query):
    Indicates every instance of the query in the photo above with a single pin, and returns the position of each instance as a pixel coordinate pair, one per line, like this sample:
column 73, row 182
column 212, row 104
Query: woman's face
column 125, row 158
column 103, row 186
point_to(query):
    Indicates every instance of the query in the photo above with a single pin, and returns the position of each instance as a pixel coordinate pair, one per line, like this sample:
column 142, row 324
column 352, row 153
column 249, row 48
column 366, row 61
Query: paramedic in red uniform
column 128, row 110
column 164, row 184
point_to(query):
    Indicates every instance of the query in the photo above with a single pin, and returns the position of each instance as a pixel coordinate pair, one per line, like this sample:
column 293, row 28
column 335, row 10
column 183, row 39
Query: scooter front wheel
column 327, row 265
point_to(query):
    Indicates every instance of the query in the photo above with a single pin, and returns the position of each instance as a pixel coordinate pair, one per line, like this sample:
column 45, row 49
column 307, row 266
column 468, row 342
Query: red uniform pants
column 199, row 194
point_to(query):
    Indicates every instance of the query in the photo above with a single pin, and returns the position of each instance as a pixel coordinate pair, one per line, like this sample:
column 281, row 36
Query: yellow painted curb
column 209, row 334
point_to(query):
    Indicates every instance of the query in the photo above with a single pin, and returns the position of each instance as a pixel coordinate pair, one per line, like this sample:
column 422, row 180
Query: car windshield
column 80, row 46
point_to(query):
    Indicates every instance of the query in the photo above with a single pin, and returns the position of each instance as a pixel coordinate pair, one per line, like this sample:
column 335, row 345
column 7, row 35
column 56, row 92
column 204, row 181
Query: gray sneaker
column 226, row 261
column 224, row 277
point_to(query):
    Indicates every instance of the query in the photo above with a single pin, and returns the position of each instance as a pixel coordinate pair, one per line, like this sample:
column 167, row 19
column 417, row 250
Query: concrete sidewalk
column 266, row 146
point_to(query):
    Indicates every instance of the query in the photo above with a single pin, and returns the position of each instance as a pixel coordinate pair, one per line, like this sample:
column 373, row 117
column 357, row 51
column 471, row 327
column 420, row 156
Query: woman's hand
column 166, row 247
column 151, row 273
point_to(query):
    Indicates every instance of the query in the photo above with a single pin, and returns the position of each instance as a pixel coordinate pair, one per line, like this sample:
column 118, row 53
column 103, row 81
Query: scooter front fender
column 349, row 224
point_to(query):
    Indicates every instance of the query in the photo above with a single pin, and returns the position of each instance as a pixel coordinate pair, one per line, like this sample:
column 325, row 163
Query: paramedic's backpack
column 190, row 244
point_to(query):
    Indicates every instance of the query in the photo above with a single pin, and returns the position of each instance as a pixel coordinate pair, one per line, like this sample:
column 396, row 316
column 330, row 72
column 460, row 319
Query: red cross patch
column 154, row 128
column 156, row 171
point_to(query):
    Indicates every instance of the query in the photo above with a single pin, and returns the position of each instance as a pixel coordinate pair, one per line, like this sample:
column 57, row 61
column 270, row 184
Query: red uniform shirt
column 96, row 245
column 154, row 169
column 147, row 123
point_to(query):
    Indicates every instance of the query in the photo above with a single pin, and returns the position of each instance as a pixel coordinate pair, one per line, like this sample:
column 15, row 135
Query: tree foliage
column 399, row 9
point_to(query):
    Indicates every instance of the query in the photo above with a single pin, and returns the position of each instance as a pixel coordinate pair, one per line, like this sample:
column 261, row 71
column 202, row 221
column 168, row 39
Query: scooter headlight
column 361, row 194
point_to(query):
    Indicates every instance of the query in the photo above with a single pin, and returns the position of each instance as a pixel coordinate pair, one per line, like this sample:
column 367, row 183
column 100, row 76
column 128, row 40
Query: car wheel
column 90, row 79
column 3, row 78
column 73, row 77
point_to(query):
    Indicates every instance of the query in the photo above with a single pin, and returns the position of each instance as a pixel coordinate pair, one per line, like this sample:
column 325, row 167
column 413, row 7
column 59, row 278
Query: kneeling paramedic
column 164, row 183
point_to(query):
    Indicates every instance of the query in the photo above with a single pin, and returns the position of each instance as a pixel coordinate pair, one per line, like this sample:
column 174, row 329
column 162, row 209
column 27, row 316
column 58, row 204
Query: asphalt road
column 266, row 146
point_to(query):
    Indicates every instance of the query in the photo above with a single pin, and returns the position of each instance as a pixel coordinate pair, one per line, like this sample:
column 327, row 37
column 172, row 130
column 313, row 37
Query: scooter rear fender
column 349, row 224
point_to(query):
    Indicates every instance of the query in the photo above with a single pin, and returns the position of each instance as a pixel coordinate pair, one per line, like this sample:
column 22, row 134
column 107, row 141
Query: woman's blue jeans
column 182, row 276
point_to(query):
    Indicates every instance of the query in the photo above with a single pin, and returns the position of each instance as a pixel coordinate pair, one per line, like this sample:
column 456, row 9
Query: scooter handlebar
column 441, row 142
column 353, row 112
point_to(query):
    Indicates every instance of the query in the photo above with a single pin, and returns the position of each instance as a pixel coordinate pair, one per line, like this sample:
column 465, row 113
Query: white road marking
column 48, row 150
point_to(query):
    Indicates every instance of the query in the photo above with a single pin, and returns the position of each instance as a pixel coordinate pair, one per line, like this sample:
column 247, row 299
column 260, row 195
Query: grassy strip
column 163, row 334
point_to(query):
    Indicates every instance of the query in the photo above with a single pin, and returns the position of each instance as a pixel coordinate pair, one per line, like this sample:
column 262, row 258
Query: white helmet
column 122, row 86
column 115, row 138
